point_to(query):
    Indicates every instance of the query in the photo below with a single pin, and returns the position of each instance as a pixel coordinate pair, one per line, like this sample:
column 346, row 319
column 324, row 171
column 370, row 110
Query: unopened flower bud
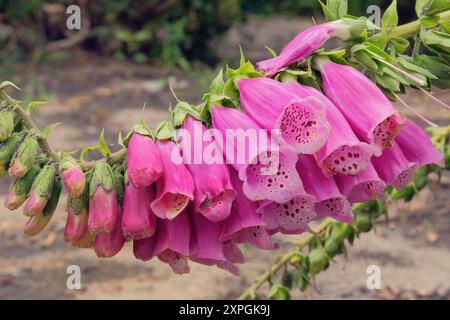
column 143, row 159
column 24, row 157
column 20, row 188
column 73, row 176
column 41, row 191
column 109, row 244
column 363, row 222
column 77, row 219
column 38, row 222
column 6, row 124
column 7, row 150
column 318, row 260
column 102, row 200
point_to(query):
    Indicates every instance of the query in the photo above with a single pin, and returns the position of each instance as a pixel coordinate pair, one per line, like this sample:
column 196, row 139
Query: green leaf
column 49, row 128
column 86, row 151
column 271, row 51
column 380, row 39
column 436, row 41
column 279, row 292
column 390, row 16
column 422, row 6
column 5, row 84
column 34, row 104
column 102, row 146
column 412, row 66
column 365, row 60
column 286, row 279
column 329, row 15
column 387, row 82
column 218, row 84
column 400, row 44
column 430, row 22
column 120, row 141
column 437, row 66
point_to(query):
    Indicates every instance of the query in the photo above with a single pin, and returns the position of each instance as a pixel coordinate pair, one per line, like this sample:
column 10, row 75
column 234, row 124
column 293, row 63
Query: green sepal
column 119, row 182
column 23, row 185
column 139, row 128
column 6, row 124
column 7, row 150
column 43, row 184
column 390, row 16
column 279, row 292
column 52, row 203
column 27, row 152
column 317, row 260
column 102, row 176
column 165, row 130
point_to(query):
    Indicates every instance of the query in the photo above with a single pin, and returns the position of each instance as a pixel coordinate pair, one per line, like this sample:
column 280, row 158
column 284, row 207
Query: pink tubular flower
column 138, row 220
column 367, row 110
column 394, row 168
column 144, row 164
column 143, row 248
column 175, row 188
column 102, row 200
column 206, row 247
column 74, row 181
column 330, row 201
column 301, row 122
column 417, row 146
column 170, row 243
column 290, row 217
column 213, row 195
column 244, row 225
column 102, row 211
column 343, row 152
column 72, row 176
column 267, row 172
column 365, row 186
column 77, row 221
column 303, row 45
column 109, row 244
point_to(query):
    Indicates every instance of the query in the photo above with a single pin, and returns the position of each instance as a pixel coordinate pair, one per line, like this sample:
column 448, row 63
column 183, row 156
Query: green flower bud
column 20, row 188
column 6, row 124
column 341, row 231
column 41, row 191
column 333, row 248
column 363, row 222
column 318, row 260
column 406, row 194
column 301, row 277
column 24, row 157
column 287, row 279
column 7, row 150
column 38, row 222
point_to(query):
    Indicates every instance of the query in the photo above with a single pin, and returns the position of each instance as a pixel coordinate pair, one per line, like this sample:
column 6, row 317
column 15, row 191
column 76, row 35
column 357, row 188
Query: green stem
column 28, row 121
column 413, row 27
column 250, row 292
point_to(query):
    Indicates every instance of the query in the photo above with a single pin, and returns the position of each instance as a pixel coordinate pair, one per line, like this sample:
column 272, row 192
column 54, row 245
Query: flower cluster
column 318, row 153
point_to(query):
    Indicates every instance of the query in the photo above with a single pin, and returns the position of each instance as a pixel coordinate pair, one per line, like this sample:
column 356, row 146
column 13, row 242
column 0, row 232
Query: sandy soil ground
column 88, row 92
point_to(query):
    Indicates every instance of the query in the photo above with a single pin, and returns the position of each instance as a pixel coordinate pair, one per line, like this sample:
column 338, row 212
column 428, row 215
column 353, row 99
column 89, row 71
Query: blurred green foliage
column 175, row 31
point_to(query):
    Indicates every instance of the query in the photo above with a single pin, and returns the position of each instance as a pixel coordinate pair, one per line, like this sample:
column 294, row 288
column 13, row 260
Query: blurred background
column 123, row 57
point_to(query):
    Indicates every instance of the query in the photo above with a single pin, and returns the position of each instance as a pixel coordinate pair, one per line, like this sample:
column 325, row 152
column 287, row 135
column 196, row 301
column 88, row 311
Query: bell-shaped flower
column 301, row 123
column 213, row 194
column 175, row 188
column 366, row 108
